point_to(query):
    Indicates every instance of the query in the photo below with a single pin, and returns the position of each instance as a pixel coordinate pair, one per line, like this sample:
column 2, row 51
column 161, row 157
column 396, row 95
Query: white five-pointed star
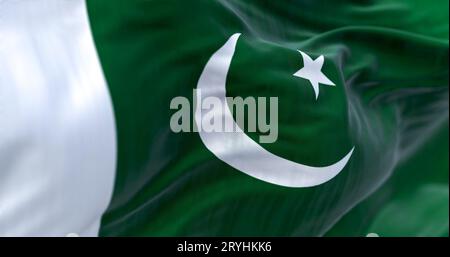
column 312, row 71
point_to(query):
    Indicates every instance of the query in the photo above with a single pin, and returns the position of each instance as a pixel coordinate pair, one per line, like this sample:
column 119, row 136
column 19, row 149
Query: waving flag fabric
column 87, row 146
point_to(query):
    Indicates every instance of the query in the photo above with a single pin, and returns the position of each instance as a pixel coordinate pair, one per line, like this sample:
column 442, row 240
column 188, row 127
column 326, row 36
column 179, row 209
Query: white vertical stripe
column 57, row 129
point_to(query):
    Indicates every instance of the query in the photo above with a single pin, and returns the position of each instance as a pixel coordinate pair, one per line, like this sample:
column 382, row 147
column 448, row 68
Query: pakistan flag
column 224, row 118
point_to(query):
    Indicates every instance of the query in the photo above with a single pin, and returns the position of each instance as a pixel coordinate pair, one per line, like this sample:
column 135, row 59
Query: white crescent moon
column 240, row 151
